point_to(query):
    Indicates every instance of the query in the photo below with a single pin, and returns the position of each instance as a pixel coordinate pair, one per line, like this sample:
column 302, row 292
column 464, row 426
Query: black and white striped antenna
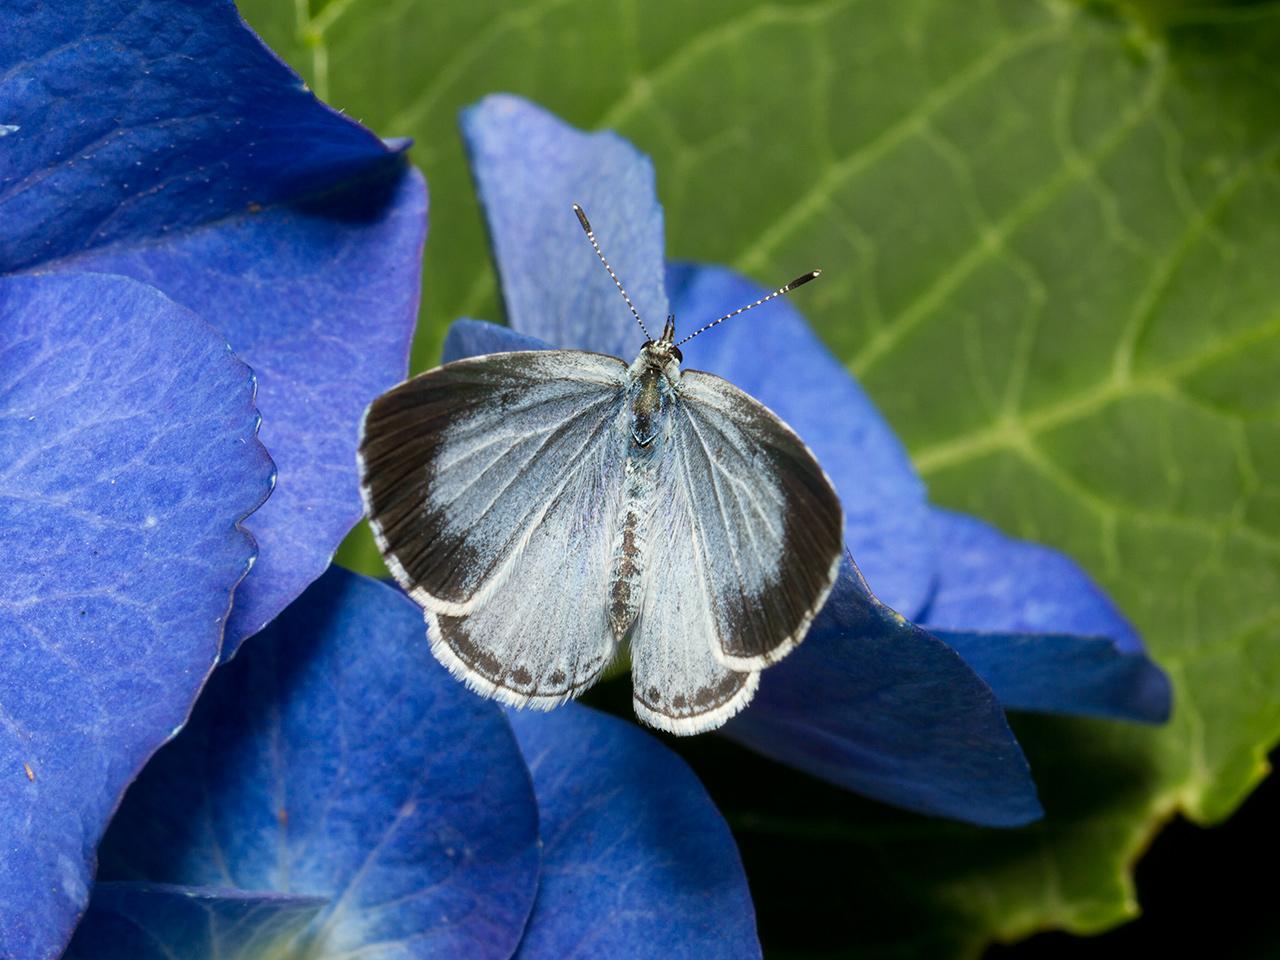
column 586, row 225
column 797, row 282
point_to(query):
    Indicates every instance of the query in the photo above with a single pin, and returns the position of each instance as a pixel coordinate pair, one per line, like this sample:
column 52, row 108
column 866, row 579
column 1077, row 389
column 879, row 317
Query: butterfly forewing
column 767, row 543
column 461, row 465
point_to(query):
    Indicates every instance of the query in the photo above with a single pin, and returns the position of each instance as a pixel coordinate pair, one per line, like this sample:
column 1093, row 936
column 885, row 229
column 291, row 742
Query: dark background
column 820, row 892
column 1204, row 893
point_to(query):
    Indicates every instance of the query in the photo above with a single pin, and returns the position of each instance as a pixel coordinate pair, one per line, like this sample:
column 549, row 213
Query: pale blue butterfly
column 545, row 506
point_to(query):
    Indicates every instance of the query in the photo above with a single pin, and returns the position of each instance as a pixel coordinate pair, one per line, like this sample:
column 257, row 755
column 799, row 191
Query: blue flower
column 337, row 793
column 168, row 189
column 912, row 715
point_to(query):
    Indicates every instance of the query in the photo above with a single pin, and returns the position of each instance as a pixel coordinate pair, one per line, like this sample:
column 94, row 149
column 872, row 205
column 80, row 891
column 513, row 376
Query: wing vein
column 755, row 505
column 515, row 474
column 713, row 471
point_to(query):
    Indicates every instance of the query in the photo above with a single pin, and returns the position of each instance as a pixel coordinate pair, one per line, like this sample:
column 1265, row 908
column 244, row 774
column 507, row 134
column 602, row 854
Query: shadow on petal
column 874, row 704
column 475, row 338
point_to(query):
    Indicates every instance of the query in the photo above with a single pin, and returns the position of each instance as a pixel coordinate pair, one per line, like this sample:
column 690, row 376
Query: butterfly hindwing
column 678, row 685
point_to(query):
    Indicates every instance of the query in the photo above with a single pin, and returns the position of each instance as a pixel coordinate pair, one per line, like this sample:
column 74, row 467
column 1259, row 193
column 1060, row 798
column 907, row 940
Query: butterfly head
column 662, row 351
column 660, row 356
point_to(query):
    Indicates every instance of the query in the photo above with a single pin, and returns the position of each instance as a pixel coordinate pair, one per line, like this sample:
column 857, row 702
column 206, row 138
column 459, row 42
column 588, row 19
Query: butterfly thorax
column 653, row 384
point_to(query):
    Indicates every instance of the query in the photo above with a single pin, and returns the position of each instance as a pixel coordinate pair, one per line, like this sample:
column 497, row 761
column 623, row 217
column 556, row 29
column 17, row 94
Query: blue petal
column 128, row 456
column 140, row 921
column 530, row 167
column 773, row 355
column 992, row 583
column 1077, row 676
column 475, row 338
column 322, row 302
column 335, row 757
column 874, row 704
column 1032, row 624
column 637, row 862
column 160, row 139
column 137, row 119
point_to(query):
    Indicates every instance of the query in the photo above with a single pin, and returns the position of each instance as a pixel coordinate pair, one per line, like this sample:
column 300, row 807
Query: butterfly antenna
column 586, row 226
column 799, row 281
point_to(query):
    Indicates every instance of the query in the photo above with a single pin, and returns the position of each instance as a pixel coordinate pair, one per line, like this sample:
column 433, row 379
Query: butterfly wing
column 677, row 683
column 543, row 635
column 748, row 542
column 769, row 537
column 772, row 530
column 459, row 465
column 493, row 486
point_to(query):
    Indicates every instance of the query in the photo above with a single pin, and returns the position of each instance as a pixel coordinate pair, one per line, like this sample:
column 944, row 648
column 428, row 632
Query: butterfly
column 544, row 507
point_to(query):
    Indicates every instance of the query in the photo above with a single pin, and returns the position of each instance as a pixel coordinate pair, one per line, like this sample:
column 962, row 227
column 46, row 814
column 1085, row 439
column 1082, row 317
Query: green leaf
column 1050, row 247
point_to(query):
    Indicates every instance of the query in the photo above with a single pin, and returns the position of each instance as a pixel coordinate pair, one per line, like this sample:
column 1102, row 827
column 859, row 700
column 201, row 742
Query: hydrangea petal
column 474, row 338
column 160, row 139
column 1072, row 675
column 997, row 584
column 133, row 119
column 530, row 167
column 128, row 457
column 1032, row 624
column 637, row 861
column 773, row 355
column 142, row 921
column 335, row 757
column 874, row 704
column 322, row 299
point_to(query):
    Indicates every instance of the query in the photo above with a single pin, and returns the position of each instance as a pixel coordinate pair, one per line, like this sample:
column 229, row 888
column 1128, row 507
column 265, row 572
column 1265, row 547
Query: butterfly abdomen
column 627, row 558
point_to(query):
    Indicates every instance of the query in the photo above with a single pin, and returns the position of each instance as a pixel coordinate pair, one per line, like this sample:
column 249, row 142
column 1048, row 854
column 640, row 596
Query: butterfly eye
column 675, row 352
